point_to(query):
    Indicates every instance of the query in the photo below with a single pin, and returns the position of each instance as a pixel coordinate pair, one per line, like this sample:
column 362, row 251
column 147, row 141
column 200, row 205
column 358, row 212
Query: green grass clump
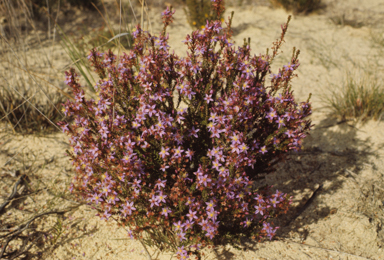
column 360, row 98
column 298, row 6
column 198, row 12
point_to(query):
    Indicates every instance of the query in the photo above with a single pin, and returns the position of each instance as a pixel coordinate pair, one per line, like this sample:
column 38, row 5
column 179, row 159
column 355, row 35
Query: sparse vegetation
column 298, row 6
column 38, row 215
column 198, row 12
column 359, row 98
column 87, row 4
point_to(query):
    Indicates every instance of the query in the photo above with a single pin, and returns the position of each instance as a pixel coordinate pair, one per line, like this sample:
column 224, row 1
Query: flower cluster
column 153, row 165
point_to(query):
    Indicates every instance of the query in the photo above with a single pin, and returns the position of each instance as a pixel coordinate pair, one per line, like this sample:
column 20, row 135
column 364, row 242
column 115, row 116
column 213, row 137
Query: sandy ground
column 346, row 215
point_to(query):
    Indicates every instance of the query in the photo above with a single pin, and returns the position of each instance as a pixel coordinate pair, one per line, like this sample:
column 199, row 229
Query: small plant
column 199, row 11
column 89, row 4
column 100, row 37
column 359, row 98
column 179, row 169
column 298, row 6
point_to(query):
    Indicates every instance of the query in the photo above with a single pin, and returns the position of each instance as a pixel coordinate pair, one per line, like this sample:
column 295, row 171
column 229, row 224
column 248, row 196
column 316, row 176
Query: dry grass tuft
column 298, row 6
column 361, row 97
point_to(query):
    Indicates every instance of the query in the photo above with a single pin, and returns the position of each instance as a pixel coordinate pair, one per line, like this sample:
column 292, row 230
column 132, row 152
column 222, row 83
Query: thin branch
column 13, row 194
column 14, row 233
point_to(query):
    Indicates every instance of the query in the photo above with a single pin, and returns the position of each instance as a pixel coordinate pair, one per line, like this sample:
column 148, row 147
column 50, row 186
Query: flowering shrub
column 183, row 175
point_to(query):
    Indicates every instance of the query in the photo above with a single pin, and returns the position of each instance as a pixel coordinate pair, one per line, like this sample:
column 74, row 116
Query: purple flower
column 106, row 190
column 215, row 133
column 247, row 223
column 190, row 201
column 210, row 205
column 182, row 87
column 204, row 179
column 106, row 215
column 270, row 231
column 290, row 67
column 244, row 206
column 210, row 126
column 274, row 201
column 240, row 196
column 216, row 165
column 181, row 252
column 223, row 172
column 177, row 152
column 151, row 110
column 164, row 152
column 136, row 183
column 263, row 149
column 113, row 198
column 189, row 93
column 160, row 183
column 244, row 148
column 272, row 114
column 208, row 98
column 168, row 120
column 129, row 145
column 247, row 71
column 97, row 198
column 188, row 225
column 210, row 234
column 166, row 211
column 204, row 224
column 213, row 117
column 259, row 199
column 212, row 214
column 235, row 139
column 220, row 157
column 153, row 201
column 127, row 208
column 235, row 148
column 288, row 116
column 135, row 124
column 164, row 167
column 289, row 133
column 189, row 154
column 259, row 209
column 194, row 132
column 280, row 121
column 191, row 215
column 161, row 197
column 130, row 234
column 181, row 235
column 177, row 225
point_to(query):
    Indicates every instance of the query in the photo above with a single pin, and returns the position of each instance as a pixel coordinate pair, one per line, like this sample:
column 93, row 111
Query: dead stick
column 305, row 206
column 12, row 234
column 13, row 194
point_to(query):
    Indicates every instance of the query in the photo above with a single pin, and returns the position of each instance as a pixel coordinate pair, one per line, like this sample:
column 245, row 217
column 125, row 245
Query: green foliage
column 198, row 12
column 298, row 6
